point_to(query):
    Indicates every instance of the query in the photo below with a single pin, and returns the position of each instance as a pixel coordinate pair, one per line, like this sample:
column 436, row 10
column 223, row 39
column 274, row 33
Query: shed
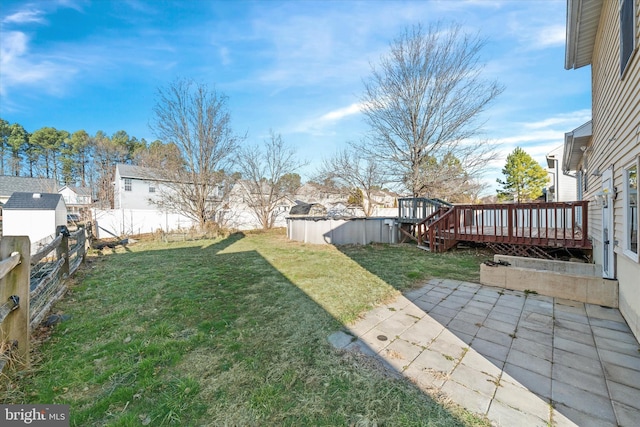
column 35, row 215
column 308, row 209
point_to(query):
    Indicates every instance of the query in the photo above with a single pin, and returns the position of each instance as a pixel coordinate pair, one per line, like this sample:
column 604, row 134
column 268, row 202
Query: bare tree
column 359, row 173
column 268, row 177
column 448, row 180
column 196, row 119
column 424, row 101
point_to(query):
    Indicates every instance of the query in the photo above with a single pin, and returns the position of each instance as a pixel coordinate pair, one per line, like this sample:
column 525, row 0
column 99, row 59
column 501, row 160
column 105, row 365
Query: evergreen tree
column 5, row 132
column 17, row 142
column 524, row 178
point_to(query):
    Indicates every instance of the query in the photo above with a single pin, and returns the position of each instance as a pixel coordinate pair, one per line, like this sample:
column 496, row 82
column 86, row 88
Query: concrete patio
column 515, row 357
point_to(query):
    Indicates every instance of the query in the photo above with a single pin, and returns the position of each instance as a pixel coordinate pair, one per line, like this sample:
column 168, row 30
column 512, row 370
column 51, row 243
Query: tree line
column 76, row 158
column 423, row 103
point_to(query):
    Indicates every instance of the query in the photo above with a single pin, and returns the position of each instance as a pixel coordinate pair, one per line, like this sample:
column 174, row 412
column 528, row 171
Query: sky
column 294, row 67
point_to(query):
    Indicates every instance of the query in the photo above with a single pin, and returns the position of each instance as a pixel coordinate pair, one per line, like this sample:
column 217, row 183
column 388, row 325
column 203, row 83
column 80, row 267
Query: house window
column 127, row 184
column 627, row 36
column 631, row 210
column 152, row 187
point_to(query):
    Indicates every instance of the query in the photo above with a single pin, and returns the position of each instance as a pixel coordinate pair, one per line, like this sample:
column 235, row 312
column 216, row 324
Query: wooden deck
column 545, row 225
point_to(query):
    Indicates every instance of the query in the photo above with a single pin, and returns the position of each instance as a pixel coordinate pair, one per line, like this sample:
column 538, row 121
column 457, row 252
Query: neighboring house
column 240, row 216
column 35, row 215
column 77, row 199
column 562, row 186
column 606, row 35
column 10, row 184
column 134, row 213
column 135, row 187
column 337, row 202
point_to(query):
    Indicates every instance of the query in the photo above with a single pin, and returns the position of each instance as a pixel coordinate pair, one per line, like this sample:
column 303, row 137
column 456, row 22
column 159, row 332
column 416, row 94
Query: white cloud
column 25, row 17
column 16, row 69
column 225, row 57
column 551, row 36
column 567, row 120
column 341, row 113
column 320, row 125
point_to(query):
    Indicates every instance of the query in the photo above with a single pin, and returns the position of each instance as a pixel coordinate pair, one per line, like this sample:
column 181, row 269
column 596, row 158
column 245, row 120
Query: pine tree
column 525, row 178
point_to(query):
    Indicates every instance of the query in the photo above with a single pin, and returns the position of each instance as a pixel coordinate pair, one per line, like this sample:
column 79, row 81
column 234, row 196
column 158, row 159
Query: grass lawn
column 232, row 332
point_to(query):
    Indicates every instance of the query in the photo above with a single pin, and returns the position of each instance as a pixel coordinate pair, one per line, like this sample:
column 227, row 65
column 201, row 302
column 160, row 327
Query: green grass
column 231, row 332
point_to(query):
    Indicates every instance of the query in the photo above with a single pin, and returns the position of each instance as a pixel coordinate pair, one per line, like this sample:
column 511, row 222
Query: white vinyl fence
column 131, row 222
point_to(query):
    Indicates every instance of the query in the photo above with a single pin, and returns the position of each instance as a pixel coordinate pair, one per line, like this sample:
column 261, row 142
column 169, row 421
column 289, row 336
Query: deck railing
column 416, row 209
column 557, row 224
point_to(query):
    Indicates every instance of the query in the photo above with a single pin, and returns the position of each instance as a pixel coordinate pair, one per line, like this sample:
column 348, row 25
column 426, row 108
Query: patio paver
column 515, row 358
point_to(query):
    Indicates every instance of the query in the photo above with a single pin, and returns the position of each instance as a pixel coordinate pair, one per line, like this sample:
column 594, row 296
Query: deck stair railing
column 416, row 209
column 430, row 231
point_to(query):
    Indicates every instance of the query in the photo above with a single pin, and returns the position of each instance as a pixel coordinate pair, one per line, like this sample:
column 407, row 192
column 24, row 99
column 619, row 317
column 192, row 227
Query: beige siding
column 615, row 144
column 616, row 113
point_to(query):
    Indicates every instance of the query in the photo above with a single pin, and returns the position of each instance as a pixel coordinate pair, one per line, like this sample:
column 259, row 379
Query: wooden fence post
column 16, row 326
column 63, row 250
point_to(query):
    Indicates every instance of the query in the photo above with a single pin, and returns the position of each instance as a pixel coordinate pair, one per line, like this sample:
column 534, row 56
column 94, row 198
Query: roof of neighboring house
column 10, row 184
column 80, row 191
column 582, row 25
column 554, row 155
column 138, row 172
column 133, row 171
column 575, row 144
column 33, row 201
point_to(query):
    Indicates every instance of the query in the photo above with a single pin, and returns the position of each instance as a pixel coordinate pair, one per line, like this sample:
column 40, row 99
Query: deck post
column 510, row 212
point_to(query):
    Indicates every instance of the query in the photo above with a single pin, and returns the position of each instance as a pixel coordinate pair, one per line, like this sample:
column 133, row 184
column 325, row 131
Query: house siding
column 615, row 144
column 564, row 185
column 138, row 198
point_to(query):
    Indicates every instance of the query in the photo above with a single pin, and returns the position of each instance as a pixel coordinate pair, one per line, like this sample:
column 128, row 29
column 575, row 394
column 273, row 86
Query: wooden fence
column 31, row 284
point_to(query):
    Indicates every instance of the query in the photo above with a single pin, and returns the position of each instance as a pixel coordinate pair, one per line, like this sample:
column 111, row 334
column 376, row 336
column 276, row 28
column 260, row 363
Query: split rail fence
column 31, row 284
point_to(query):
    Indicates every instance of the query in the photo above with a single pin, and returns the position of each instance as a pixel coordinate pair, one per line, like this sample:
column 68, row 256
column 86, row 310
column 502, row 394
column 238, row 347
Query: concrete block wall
column 585, row 288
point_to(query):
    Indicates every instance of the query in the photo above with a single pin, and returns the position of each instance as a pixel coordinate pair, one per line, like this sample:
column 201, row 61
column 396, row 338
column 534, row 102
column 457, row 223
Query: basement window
column 627, row 36
column 631, row 210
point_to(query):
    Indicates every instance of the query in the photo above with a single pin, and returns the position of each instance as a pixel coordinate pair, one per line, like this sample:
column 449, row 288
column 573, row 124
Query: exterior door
column 608, row 268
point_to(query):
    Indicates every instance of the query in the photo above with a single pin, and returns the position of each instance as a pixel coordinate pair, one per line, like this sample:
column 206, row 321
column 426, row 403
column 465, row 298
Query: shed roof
column 308, row 209
column 10, row 184
column 33, row 201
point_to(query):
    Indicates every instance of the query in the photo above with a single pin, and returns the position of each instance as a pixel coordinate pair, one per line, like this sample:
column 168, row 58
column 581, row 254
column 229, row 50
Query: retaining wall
column 559, row 279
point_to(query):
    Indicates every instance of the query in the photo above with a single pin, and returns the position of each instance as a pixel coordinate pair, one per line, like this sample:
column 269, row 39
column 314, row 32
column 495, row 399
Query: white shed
column 36, row 215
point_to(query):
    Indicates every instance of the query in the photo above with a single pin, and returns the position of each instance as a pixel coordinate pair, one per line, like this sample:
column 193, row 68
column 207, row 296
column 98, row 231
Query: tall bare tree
column 196, row 119
column 361, row 174
column 268, row 177
column 424, row 100
column 159, row 156
column 106, row 154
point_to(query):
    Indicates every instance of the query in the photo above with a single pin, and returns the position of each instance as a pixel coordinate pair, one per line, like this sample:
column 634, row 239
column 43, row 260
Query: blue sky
column 292, row 66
